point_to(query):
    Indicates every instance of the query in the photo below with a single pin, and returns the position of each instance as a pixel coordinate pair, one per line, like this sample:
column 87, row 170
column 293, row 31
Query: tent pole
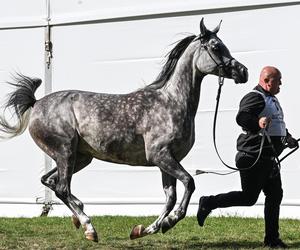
column 48, row 89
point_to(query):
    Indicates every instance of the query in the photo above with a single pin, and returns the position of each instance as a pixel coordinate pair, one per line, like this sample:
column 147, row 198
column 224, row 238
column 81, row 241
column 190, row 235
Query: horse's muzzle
column 239, row 72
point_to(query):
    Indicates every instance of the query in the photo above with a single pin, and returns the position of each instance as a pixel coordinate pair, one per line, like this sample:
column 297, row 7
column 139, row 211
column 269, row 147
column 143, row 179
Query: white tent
column 118, row 46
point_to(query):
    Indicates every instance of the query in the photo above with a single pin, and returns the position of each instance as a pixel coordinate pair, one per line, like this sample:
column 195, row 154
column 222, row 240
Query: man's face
column 274, row 82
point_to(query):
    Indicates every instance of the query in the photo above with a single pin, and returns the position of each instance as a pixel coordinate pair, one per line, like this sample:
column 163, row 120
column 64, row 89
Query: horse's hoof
column 137, row 232
column 92, row 236
column 75, row 221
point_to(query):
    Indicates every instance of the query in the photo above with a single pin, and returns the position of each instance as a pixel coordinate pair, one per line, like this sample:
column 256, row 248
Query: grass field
column 218, row 233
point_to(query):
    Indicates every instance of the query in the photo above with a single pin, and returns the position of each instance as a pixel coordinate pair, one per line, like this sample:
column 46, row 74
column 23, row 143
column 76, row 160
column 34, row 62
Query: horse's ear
column 203, row 29
column 217, row 28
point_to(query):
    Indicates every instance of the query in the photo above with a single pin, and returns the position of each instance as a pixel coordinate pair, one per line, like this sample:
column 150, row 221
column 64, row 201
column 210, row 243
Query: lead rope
column 291, row 152
column 263, row 133
column 278, row 161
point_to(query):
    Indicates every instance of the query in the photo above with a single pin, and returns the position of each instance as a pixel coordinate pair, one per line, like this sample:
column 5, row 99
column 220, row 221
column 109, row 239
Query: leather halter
column 222, row 65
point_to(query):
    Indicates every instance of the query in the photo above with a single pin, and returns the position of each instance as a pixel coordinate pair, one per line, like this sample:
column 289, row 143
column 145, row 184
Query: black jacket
column 249, row 142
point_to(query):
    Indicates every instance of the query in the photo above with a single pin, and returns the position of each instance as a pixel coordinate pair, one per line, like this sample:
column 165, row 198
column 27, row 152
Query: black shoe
column 277, row 243
column 203, row 211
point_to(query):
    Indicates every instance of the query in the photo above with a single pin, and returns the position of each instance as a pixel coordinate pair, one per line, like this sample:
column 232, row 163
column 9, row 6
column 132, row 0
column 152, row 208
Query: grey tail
column 19, row 103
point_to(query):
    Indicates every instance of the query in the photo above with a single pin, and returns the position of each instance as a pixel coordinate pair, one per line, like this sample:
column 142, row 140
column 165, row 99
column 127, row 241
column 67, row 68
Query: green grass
column 113, row 231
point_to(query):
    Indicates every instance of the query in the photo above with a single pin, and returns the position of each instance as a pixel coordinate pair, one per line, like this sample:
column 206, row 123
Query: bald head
column 270, row 79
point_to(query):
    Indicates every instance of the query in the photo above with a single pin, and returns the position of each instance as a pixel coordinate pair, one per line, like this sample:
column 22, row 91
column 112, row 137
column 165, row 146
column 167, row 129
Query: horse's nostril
column 245, row 72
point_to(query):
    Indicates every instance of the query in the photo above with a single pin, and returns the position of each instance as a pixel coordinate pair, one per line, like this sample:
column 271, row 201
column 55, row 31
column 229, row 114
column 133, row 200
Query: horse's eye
column 215, row 47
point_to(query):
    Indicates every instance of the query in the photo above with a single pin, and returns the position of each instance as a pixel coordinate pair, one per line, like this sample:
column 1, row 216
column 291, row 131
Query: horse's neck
column 184, row 85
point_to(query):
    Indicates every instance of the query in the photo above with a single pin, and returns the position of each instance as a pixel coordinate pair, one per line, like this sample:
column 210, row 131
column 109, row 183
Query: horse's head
column 213, row 57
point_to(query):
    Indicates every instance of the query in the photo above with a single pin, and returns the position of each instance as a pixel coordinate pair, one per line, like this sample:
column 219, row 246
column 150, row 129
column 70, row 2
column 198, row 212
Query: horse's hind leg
column 169, row 186
column 63, row 192
column 59, row 180
column 60, row 141
column 51, row 179
column 82, row 161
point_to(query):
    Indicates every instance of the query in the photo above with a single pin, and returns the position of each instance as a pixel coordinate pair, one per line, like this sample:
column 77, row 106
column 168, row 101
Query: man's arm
column 250, row 107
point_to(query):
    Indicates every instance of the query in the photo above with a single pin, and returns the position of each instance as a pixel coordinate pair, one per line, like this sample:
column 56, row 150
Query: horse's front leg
column 189, row 185
column 166, row 162
column 175, row 169
column 169, row 186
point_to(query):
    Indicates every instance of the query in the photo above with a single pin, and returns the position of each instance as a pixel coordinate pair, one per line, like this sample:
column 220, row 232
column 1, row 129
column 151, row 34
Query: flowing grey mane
column 170, row 65
column 153, row 126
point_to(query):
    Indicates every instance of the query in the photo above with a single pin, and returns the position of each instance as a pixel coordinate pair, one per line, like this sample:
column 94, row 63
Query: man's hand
column 263, row 122
column 291, row 142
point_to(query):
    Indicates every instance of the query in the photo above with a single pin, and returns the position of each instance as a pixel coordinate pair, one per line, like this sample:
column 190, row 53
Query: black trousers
column 259, row 178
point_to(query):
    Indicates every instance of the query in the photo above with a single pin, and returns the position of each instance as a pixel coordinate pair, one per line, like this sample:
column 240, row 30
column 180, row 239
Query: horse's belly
column 118, row 151
column 124, row 157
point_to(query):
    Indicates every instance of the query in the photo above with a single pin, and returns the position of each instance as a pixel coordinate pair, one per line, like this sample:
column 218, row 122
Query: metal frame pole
column 48, row 89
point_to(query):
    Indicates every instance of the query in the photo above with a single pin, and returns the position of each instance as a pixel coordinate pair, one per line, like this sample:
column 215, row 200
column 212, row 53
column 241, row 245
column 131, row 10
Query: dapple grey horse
column 153, row 126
